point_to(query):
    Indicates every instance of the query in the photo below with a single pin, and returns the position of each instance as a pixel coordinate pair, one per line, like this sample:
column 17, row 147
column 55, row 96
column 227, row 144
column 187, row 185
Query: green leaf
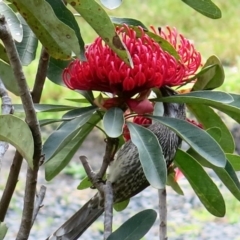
column 150, row 154
column 113, row 122
column 209, row 119
column 44, row 122
column 66, row 16
column 229, row 178
column 13, row 22
column 226, row 174
column 211, row 98
column 78, row 111
column 205, row 7
column 234, row 160
column 7, row 76
column 197, row 138
column 55, row 70
column 28, row 46
column 64, row 156
column 202, row 184
column 99, row 20
column 231, row 109
column 62, row 136
column 85, row 183
column 212, row 78
column 112, row 4
column 128, row 21
column 121, row 205
column 215, row 132
column 164, row 44
column 59, row 39
column 3, row 54
column 16, row 132
column 3, row 230
column 173, row 184
column 77, row 100
column 44, row 108
column 135, row 227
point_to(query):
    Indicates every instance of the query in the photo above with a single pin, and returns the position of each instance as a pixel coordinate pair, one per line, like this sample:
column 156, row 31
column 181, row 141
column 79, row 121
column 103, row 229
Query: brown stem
column 162, row 194
column 10, row 185
column 105, row 190
column 40, row 76
column 38, row 203
column 111, row 148
column 31, row 119
column 108, row 208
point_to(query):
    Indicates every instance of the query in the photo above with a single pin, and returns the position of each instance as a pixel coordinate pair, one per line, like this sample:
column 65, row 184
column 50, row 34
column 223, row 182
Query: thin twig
column 40, row 76
column 31, row 119
column 111, row 148
column 38, row 203
column 10, row 185
column 108, row 207
column 6, row 109
column 105, row 191
column 162, row 194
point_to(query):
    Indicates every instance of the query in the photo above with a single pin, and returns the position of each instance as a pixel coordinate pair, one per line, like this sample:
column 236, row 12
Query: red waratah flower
column 195, row 123
column 153, row 67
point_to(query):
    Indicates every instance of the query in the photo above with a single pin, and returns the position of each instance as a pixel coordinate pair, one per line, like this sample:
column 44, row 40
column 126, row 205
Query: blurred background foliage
column 211, row 37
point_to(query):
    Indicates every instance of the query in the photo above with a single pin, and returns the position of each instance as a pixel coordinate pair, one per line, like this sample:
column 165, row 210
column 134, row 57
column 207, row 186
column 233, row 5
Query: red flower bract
column 153, row 67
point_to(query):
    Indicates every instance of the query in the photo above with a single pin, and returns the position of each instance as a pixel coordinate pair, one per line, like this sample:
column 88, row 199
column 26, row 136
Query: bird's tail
column 80, row 221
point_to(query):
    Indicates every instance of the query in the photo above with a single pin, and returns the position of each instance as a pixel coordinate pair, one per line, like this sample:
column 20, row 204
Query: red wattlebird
column 125, row 173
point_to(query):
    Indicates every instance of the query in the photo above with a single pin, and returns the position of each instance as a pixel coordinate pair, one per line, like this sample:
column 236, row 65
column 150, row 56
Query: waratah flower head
column 153, row 67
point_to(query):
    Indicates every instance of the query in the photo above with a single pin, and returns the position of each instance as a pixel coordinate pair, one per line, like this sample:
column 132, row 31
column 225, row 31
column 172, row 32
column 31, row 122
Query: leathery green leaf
column 16, row 132
column 202, row 184
column 150, row 154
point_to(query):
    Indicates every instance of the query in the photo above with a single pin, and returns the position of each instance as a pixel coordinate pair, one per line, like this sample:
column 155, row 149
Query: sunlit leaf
column 28, row 46
column 212, row 78
column 16, row 132
column 202, row 184
column 234, row 160
column 173, row 184
column 85, row 183
column 59, row 39
column 3, row 230
column 121, row 205
column 209, row 119
column 99, row 20
column 14, row 25
column 197, row 138
column 113, row 121
column 135, row 227
column 66, row 16
column 128, row 21
column 150, row 154
column 205, row 7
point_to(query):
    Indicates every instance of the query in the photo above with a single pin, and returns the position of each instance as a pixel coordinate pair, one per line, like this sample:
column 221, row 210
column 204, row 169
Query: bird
column 126, row 173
